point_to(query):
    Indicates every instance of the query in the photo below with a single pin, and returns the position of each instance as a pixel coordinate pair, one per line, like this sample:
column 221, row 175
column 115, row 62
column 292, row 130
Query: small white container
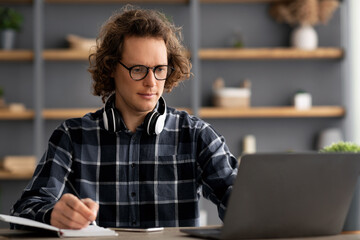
column 249, row 144
column 302, row 101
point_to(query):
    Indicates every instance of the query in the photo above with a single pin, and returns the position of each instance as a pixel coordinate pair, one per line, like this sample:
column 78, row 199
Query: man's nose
column 150, row 79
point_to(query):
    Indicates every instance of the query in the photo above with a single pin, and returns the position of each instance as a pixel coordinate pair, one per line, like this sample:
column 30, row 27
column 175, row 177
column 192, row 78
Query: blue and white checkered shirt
column 138, row 180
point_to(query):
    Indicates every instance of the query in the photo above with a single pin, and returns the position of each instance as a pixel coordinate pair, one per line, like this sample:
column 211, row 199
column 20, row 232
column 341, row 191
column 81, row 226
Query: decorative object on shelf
column 81, row 43
column 17, row 107
column 249, row 144
column 231, row 97
column 304, row 37
column 304, row 14
column 328, row 137
column 236, row 40
column 19, row 164
column 10, row 24
column 302, row 100
column 2, row 100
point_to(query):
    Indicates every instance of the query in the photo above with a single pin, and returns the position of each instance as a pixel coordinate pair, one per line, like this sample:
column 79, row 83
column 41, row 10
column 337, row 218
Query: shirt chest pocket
column 176, row 177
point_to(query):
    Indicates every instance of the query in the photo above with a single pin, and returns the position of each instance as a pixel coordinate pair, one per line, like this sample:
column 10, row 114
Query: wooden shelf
column 16, row 55
column 117, row 1
column 15, row 1
column 6, row 114
column 242, row 1
column 159, row 1
column 205, row 54
column 65, row 54
column 65, row 113
column 205, row 112
column 272, row 112
column 4, row 175
column 143, row 1
column 269, row 53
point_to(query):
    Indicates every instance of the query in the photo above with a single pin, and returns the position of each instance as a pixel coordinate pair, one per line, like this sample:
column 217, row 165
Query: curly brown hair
column 131, row 21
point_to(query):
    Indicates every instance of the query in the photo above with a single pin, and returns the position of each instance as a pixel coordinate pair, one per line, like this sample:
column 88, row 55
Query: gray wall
column 67, row 84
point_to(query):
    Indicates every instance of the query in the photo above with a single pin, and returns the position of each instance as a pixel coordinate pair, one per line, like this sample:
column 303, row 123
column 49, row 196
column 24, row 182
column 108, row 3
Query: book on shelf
column 89, row 231
column 19, row 164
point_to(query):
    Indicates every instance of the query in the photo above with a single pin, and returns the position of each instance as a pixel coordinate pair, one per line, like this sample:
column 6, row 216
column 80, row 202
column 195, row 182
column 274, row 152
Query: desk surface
column 167, row 233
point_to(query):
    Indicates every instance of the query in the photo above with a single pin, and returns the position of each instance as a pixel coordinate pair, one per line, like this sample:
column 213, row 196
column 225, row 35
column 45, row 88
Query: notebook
column 288, row 195
column 90, row 231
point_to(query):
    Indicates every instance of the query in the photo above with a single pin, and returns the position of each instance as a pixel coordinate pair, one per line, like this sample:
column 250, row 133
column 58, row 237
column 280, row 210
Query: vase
column 7, row 39
column 304, row 37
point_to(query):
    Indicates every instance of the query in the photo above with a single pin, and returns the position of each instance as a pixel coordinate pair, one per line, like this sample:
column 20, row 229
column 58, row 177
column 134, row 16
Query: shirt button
column 133, row 194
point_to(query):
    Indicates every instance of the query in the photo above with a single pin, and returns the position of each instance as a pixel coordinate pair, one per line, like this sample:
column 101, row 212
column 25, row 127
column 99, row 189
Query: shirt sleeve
column 218, row 167
column 47, row 183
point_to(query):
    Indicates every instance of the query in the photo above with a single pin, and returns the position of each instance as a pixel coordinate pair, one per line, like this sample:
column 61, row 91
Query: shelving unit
column 213, row 54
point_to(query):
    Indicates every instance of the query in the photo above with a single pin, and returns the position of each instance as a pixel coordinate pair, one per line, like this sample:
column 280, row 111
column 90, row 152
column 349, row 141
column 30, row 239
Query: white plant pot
column 304, row 37
column 7, row 39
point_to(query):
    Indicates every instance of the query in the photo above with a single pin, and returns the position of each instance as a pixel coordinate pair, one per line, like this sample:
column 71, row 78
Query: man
column 136, row 162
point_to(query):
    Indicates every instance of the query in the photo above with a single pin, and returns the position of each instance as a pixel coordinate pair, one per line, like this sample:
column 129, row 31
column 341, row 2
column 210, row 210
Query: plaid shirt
column 138, row 180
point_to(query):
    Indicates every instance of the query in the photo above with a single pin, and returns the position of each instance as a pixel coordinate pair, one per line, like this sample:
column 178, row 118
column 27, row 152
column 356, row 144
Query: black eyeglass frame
column 147, row 71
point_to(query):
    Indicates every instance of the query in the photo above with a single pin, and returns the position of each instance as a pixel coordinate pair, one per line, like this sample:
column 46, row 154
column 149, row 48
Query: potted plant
column 352, row 222
column 10, row 23
column 304, row 14
column 341, row 147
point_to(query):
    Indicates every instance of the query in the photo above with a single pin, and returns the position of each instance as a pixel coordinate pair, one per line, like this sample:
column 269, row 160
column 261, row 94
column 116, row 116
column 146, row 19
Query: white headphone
column 154, row 121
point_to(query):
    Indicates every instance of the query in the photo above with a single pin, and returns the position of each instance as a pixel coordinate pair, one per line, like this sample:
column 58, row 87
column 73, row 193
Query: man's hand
column 72, row 213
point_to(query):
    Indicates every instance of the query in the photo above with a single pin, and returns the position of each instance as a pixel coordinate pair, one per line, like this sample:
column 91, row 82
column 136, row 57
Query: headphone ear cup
column 112, row 120
column 159, row 124
column 150, row 122
column 155, row 120
column 117, row 119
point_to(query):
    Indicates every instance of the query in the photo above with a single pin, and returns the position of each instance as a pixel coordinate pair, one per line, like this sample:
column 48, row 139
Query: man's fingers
column 93, row 206
column 71, row 212
column 79, row 206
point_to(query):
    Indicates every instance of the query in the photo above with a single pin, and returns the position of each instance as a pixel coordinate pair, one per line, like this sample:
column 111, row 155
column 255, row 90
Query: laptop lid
column 291, row 195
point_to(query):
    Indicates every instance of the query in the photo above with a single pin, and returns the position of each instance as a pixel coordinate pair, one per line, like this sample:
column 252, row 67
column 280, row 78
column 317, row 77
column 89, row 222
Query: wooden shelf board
column 271, row 112
column 65, row 54
column 205, row 112
column 269, row 53
column 6, row 114
column 117, row 1
column 15, row 1
column 242, row 1
column 16, row 55
column 5, row 175
column 65, row 113
column 205, row 54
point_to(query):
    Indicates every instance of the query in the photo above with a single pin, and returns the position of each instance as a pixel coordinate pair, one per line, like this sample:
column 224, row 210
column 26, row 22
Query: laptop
column 288, row 195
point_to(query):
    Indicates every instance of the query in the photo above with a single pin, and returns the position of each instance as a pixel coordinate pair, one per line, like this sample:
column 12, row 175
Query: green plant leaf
column 341, row 147
column 10, row 19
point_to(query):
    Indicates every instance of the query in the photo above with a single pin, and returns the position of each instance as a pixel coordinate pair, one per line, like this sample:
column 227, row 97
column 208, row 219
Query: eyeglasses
column 139, row 72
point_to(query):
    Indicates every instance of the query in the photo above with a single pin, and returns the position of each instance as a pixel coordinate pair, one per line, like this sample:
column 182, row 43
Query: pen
column 77, row 195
